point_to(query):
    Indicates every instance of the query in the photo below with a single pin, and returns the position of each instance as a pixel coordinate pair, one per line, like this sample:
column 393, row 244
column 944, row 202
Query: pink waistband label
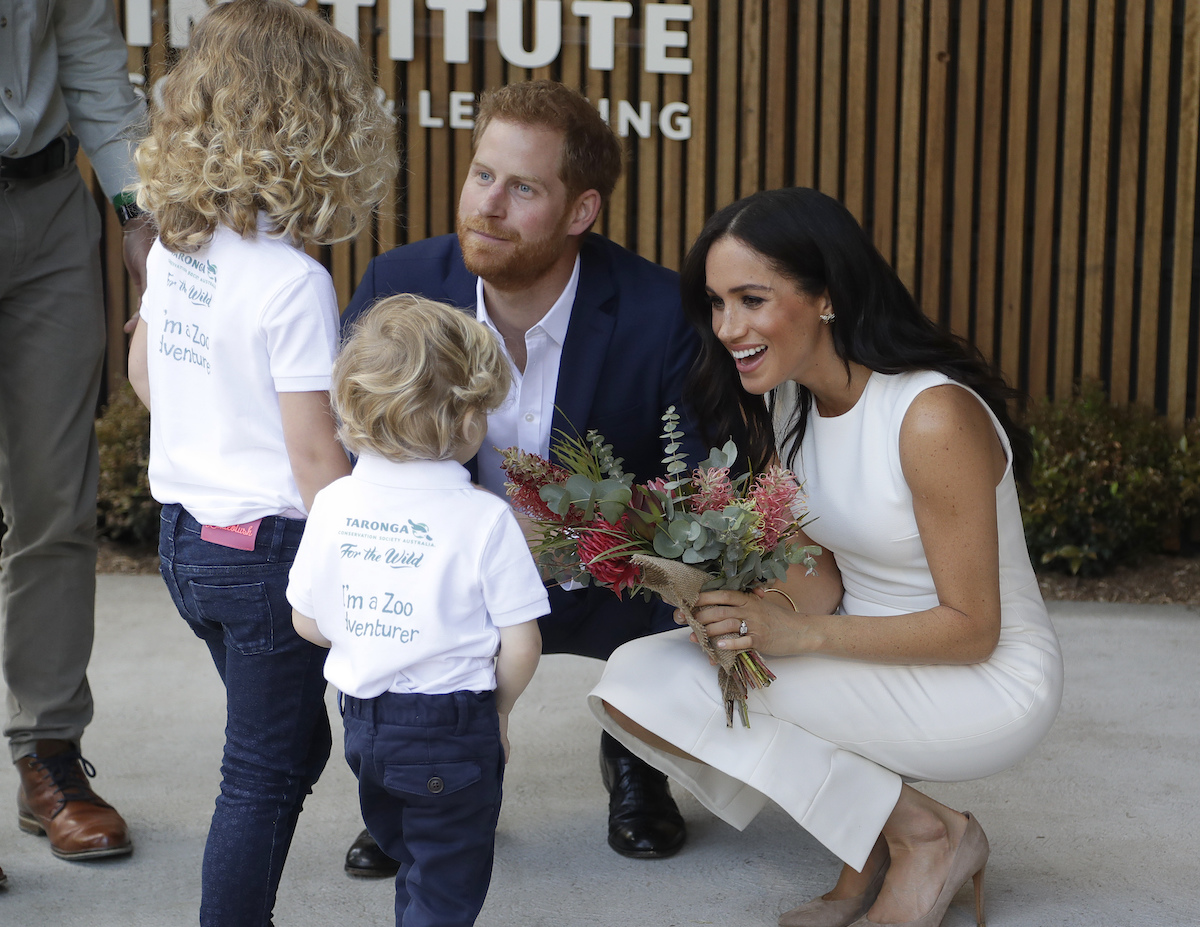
column 239, row 537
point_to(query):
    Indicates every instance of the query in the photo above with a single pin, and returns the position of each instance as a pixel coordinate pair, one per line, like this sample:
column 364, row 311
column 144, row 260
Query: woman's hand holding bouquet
column 691, row 531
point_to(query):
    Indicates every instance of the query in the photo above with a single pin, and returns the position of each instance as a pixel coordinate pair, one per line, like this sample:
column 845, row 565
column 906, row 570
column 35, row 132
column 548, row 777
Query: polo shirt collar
column 412, row 474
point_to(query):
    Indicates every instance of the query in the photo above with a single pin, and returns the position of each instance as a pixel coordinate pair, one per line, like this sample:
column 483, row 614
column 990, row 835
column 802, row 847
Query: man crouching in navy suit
column 596, row 339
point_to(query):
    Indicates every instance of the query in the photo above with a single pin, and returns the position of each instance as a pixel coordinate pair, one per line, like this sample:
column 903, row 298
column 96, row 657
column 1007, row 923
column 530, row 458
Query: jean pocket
column 432, row 779
column 242, row 610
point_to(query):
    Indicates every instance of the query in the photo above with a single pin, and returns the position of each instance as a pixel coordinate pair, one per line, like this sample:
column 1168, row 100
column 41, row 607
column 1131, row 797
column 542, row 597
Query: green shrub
column 1108, row 483
column 125, row 510
column 1185, row 471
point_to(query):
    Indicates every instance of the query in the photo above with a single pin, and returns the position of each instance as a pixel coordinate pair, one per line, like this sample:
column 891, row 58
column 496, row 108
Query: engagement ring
column 743, row 630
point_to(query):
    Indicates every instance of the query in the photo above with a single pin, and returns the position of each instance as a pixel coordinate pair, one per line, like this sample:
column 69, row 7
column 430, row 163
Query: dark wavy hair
column 814, row 241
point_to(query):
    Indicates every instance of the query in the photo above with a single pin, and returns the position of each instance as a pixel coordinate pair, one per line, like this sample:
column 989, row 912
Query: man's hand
column 139, row 235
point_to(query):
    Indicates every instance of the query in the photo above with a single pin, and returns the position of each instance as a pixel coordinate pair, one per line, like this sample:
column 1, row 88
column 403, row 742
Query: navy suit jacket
column 627, row 351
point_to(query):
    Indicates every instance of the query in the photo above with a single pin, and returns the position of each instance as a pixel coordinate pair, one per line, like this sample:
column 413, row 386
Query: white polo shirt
column 228, row 329
column 409, row 571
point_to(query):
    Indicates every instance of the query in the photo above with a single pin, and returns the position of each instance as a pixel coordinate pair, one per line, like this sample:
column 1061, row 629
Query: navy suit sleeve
column 364, row 297
column 431, row 268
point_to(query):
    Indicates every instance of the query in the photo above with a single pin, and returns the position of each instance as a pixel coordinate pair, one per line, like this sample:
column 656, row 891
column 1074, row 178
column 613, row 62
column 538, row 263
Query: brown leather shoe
column 56, row 799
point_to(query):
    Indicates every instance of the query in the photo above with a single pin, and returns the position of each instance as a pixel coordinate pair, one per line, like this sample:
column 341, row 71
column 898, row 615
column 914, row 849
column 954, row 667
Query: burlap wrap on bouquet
column 679, row 584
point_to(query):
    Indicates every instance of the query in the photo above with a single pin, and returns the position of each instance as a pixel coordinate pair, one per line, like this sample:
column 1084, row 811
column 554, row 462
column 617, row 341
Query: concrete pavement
column 1097, row 827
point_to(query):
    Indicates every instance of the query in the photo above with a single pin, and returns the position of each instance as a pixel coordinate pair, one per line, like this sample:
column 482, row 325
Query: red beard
column 509, row 266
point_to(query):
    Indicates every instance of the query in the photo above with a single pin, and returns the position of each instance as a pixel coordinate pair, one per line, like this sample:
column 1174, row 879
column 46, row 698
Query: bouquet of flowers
column 679, row 535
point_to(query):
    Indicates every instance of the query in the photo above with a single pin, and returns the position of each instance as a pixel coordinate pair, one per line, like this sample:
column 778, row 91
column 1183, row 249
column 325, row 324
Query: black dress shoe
column 367, row 861
column 643, row 820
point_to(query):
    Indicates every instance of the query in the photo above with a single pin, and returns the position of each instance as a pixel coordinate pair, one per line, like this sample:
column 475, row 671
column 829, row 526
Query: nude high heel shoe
column 835, row 913
column 969, row 861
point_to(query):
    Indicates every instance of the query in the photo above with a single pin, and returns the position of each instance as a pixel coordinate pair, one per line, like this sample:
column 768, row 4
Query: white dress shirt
column 524, row 419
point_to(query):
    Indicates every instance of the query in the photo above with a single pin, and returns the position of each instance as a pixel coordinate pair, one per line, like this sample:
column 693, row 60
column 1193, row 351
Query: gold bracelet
column 786, row 596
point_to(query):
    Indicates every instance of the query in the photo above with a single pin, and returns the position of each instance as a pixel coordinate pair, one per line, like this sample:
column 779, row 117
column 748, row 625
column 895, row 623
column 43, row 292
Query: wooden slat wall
column 1181, row 357
column 933, row 224
column 962, row 215
column 1028, row 166
column 1044, row 186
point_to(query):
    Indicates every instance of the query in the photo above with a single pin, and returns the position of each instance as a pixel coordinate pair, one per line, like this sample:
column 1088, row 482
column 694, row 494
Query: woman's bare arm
column 952, row 460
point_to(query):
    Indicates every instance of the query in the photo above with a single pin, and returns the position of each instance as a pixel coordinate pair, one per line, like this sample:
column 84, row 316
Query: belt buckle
column 65, row 150
column 68, row 147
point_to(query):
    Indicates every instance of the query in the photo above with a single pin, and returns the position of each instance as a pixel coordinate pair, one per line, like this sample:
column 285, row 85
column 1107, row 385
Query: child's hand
column 520, row 649
column 504, row 736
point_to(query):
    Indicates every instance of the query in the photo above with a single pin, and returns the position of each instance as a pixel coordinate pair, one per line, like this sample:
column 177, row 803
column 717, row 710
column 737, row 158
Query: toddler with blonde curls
column 266, row 138
column 422, row 586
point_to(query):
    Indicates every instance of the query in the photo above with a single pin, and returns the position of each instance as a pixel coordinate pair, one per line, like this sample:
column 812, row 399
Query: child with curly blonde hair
column 266, row 138
column 413, row 577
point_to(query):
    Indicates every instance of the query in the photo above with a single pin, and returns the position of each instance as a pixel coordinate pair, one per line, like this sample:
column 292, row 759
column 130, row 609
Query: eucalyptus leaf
column 666, row 546
column 556, row 498
column 721, row 457
column 580, row 488
column 679, row 531
column 613, row 491
column 611, row 512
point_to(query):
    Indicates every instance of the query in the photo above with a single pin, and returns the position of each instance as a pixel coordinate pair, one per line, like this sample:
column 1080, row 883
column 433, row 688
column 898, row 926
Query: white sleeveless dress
column 832, row 739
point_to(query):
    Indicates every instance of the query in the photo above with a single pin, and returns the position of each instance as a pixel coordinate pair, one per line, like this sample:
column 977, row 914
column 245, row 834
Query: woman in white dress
column 921, row 649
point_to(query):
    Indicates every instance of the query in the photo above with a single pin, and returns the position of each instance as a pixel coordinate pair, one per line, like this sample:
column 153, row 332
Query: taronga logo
column 414, row 529
column 205, row 267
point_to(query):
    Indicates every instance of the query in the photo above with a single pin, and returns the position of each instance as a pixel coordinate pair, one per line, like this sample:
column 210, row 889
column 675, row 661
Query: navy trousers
column 430, row 772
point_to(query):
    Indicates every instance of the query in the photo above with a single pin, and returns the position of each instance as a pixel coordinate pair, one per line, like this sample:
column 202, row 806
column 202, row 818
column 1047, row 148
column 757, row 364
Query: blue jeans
column 277, row 735
column 430, row 773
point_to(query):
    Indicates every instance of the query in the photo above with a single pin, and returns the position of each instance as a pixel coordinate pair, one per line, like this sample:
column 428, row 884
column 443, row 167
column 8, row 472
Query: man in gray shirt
column 63, row 84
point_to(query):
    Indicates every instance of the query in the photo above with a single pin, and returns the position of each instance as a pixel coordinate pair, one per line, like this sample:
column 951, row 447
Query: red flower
column 596, row 545
column 714, row 490
column 527, row 474
column 773, row 494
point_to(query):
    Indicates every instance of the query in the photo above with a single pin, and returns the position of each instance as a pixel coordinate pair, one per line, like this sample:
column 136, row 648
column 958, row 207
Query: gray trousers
column 51, row 354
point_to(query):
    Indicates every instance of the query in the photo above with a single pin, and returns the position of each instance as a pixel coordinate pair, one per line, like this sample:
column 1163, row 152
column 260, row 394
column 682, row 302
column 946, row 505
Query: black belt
column 55, row 156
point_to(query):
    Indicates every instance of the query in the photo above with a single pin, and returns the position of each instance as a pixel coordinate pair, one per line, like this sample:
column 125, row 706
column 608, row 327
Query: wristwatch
column 126, row 207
